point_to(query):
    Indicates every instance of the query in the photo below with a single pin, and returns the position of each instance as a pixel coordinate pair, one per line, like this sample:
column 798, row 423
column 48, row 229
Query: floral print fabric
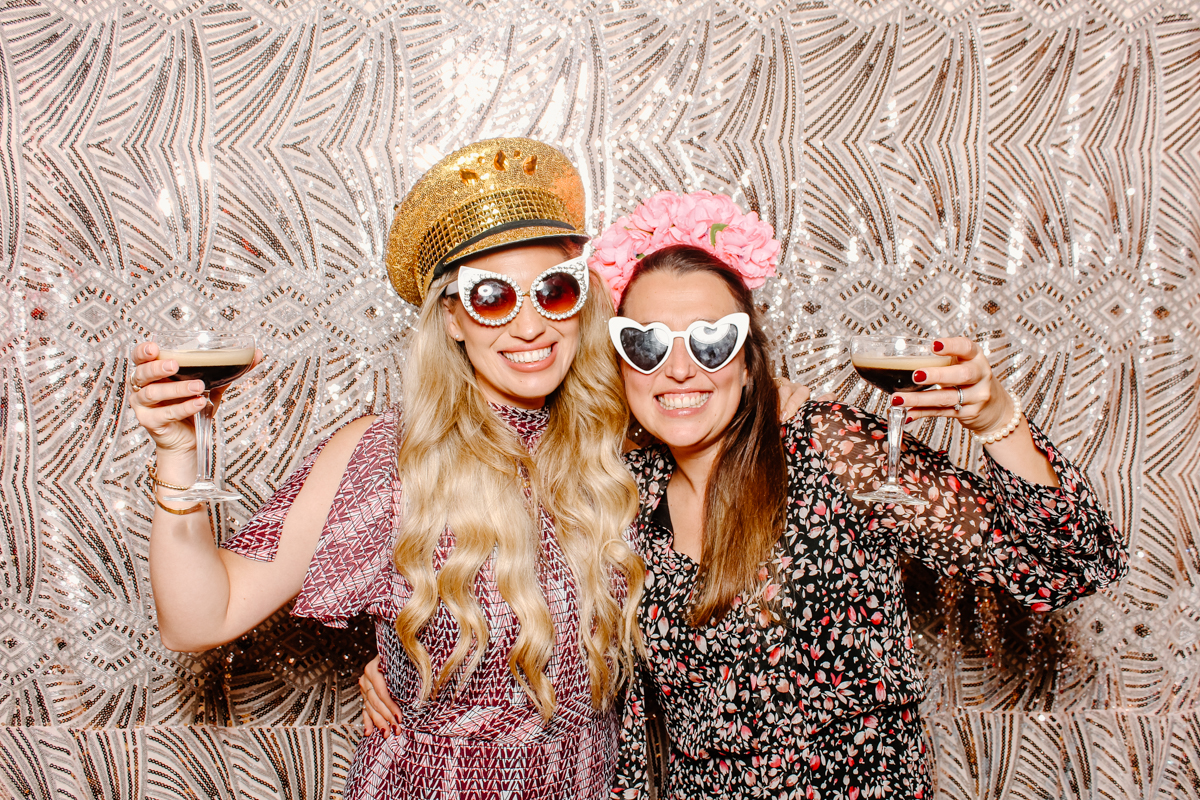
column 809, row 688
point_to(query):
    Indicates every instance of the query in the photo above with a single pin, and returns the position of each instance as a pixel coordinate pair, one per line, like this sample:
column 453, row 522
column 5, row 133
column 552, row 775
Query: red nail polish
column 937, row 346
column 907, row 420
column 919, row 376
column 897, row 400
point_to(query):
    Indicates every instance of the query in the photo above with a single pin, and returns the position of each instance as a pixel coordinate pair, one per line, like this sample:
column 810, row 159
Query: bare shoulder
column 332, row 461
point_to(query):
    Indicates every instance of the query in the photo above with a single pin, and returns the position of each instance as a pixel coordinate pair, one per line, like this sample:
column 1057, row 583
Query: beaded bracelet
column 992, row 438
column 153, row 473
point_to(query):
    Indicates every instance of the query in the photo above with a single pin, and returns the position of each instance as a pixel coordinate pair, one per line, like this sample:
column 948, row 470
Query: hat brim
column 533, row 234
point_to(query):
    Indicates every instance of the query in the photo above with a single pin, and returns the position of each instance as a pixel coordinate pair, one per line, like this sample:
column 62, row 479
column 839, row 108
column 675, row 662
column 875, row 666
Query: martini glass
column 218, row 359
column 887, row 363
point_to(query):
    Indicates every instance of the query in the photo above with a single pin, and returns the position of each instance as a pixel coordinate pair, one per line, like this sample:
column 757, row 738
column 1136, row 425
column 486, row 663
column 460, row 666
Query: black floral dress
column 810, row 688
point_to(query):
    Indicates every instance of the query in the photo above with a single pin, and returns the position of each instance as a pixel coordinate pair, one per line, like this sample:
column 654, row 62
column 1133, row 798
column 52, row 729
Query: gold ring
column 134, row 385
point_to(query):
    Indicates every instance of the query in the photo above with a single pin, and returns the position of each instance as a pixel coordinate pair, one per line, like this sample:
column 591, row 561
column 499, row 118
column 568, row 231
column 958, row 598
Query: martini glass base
column 205, row 492
column 896, row 496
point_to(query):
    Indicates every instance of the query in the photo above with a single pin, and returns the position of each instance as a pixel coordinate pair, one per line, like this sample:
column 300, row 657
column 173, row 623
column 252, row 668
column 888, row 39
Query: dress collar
column 528, row 423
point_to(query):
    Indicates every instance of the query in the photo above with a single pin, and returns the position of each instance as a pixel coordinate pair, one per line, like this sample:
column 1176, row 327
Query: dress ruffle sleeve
column 351, row 569
column 1046, row 545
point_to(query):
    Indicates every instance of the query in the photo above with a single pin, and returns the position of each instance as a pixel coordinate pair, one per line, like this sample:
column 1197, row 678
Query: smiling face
column 685, row 407
column 524, row 361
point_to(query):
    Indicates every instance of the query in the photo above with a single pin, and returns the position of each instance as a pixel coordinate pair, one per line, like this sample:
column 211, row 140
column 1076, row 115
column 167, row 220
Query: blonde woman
column 480, row 523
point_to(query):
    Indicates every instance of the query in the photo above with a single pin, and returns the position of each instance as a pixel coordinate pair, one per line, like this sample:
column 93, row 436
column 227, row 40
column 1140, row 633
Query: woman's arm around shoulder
column 207, row 596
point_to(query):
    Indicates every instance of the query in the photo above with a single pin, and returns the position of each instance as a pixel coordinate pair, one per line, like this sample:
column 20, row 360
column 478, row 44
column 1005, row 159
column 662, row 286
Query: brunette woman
column 777, row 639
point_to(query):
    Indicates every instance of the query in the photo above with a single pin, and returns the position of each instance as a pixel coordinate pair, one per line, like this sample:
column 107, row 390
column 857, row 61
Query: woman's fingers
column 146, row 351
column 941, row 402
column 958, row 346
column 386, row 704
column 969, row 367
column 149, row 372
column 791, row 397
column 378, row 705
column 169, row 391
column 966, row 373
column 373, row 718
column 967, row 390
column 178, row 412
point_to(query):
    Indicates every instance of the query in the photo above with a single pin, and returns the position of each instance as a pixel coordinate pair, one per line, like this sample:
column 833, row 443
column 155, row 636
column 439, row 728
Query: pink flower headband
column 712, row 222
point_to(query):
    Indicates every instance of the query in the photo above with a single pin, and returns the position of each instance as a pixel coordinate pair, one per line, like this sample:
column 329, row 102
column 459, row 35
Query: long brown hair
column 746, row 495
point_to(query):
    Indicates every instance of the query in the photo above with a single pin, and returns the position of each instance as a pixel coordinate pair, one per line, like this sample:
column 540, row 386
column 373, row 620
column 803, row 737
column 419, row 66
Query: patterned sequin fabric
column 809, row 688
column 486, row 740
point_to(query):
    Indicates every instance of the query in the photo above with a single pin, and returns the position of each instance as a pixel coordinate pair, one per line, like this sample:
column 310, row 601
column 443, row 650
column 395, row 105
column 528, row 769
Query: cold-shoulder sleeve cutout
column 351, row 569
column 258, row 539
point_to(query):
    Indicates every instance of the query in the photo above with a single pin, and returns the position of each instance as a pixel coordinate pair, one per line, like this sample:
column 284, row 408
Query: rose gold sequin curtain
column 1026, row 172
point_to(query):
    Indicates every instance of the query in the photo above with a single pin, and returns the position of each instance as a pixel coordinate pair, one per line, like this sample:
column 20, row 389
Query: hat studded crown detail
column 489, row 194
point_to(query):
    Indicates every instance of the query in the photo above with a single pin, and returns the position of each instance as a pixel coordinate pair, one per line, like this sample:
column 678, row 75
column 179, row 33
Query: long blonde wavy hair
column 458, row 463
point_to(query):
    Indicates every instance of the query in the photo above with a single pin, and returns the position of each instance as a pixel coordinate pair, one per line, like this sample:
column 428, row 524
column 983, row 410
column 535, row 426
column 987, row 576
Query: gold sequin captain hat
column 486, row 195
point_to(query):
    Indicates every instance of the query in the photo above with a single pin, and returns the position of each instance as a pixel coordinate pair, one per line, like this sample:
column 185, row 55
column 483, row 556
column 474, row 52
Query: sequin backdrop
column 1023, row 172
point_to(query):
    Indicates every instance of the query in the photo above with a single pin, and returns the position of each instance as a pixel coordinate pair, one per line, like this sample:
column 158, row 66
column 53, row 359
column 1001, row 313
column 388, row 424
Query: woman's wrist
column 170, row 472
column 171, row 462
column 176, row 507
column 1011, row 421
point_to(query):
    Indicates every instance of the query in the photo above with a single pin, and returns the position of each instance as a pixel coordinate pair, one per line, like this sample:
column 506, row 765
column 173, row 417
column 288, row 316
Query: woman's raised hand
column 165, row 407
column 983, row 405
column 380, row 712
column 793, row 396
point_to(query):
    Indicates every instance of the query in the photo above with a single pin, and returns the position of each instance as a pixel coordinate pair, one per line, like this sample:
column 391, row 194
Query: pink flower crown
column 712, row 222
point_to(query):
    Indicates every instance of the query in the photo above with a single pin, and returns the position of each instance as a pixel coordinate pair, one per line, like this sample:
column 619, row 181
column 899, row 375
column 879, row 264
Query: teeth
column 527, row 356
column 689, row 400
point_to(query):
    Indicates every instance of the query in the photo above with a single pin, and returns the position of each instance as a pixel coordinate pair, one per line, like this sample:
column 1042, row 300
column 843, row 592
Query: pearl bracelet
column 995, row 436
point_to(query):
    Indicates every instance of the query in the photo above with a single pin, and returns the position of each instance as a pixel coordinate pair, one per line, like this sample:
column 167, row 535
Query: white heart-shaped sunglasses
column 711, row 345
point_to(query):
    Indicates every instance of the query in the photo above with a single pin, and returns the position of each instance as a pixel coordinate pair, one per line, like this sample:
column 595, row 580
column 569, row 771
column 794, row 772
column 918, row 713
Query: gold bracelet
column 179, row 511
column 992, row 438
column 153, row 473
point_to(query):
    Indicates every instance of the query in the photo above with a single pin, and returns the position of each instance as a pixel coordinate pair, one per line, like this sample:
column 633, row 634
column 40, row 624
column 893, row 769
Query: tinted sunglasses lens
column 644, row 349
column 713, row 345
column 557, row 293
column 493, row 300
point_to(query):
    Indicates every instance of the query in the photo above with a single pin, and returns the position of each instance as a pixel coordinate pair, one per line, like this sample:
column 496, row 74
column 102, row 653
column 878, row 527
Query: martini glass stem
column 895, row 431
column 205, row 426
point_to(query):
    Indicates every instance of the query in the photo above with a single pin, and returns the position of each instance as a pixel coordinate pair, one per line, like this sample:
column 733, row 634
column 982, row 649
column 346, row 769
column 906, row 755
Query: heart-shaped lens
column 492, row 299
column 712, row 345
column 645, row 349
column 557, row 293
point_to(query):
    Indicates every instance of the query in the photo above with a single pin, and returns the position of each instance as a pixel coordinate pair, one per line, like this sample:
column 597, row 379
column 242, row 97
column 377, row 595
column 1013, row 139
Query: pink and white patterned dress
column 486, row 741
